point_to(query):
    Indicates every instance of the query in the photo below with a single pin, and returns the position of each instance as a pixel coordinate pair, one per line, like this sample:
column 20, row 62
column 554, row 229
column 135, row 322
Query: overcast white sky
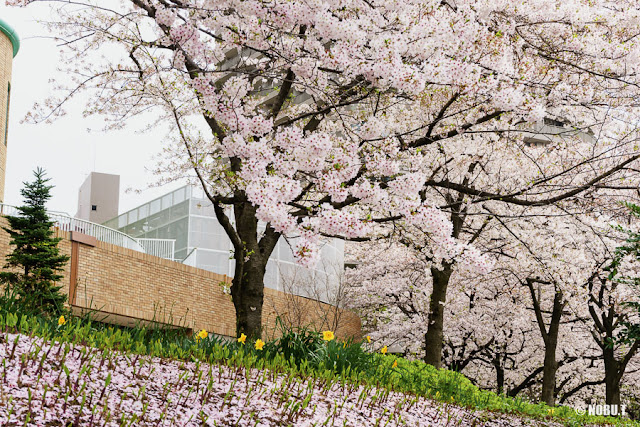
column 67, row 149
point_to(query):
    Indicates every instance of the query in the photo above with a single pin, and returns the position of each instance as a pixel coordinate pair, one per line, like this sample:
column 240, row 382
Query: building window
column 94, row 207
column 6, row 123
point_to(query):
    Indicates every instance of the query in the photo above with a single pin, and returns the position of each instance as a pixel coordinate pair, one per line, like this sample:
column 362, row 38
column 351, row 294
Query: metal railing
column 163, row 248
column 100, row 232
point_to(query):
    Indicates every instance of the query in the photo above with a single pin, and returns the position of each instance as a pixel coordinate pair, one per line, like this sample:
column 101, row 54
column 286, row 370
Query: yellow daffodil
column 383, row 350
column 395, row 364
column 368, row 339
column 259, row 344
column 61, row 321
column 242, row 338
column 201, row 335
column 344, row 345
column 328, row 335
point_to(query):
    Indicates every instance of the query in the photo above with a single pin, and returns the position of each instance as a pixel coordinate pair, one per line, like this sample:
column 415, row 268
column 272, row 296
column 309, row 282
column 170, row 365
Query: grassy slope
column 281, row 390
column 84, row 385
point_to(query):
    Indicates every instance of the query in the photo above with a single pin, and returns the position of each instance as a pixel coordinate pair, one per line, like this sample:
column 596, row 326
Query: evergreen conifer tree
column 34, row 265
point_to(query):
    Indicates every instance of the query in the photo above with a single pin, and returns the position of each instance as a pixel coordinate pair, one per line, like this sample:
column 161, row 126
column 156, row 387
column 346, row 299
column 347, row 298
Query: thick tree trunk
column 497, row 363
column 612, row 377
column 251, row 256
column 247, row 292
column 434, row 336
column 549, row 371
column 550, row 347
column 606, row 320
column 550, row 338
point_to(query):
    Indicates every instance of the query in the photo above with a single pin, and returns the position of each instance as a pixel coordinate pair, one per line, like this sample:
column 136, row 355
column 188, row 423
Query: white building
column 99, row 197
column 187, row 216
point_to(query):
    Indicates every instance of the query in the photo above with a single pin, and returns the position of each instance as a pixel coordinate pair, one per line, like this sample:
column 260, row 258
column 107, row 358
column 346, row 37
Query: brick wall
column 125, row 286
column 6, row 61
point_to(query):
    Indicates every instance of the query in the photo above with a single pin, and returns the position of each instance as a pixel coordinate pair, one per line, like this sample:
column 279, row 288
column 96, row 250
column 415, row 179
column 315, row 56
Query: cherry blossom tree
column 522, row 328
column 550, row 265
column 611, row 299
column 572, row 297
column 311, row 119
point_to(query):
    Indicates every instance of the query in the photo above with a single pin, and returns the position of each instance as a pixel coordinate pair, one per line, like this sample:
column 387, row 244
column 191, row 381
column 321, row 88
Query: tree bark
column 251, row 256
column 549, row 372
column 247, row 292
column 434, row 336
column 550, row 347
column 612, row 377
column 550, row 338
column 605, row 324
column 497, row 363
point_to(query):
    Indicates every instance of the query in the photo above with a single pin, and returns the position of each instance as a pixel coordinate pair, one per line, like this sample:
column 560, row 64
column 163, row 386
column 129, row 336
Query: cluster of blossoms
column 491, row 332
column 273, row 158
column 326, row 106
column 202, row 335
column 259, row 344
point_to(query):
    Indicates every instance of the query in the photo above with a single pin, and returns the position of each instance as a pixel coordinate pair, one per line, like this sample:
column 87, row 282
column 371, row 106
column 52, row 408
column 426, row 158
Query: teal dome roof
column 13, row 36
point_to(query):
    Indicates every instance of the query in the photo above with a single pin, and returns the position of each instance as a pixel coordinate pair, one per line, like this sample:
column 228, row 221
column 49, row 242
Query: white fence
column 100, row 232
column 163, row 248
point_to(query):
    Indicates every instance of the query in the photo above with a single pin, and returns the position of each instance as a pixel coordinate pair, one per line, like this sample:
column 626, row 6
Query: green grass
column 301, row 353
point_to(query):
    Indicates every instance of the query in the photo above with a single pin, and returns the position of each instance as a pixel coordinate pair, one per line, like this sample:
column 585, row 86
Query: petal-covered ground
column 51, row 385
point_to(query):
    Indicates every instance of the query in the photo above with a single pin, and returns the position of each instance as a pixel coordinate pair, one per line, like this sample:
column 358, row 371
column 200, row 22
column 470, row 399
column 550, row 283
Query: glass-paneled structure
column 187, row 216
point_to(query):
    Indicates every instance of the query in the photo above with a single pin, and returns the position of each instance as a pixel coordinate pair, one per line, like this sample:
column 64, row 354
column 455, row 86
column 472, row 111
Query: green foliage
column 305, row 345
column 36, row 261
column 294, row 344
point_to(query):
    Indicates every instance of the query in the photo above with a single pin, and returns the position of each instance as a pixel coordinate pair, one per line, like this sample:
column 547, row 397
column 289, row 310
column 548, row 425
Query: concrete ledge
column 122, row 319
column 85, row 239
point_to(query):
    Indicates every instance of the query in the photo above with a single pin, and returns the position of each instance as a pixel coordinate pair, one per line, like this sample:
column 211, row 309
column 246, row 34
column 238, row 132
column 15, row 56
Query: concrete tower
column 99, row 197
column 9, row 45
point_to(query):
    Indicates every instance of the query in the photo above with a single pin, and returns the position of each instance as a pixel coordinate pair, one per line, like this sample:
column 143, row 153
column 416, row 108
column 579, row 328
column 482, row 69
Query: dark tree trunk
column 247, row 292
column 251, row 255
column 549, row 372
column 550, row 346
column 434, row 336
column 550, row 338
column 605, row 323
column 612, row 377
column 497, row 363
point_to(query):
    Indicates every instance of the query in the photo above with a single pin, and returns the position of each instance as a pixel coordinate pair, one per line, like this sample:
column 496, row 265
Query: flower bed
column 78, row 371
column 61, row 383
